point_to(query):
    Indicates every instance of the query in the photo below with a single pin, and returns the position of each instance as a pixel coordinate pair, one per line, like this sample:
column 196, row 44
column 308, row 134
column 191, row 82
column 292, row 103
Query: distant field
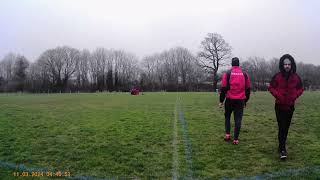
column 155, row 135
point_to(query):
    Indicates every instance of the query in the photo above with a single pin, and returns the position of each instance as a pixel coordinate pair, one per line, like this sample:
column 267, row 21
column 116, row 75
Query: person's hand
column 220, row 105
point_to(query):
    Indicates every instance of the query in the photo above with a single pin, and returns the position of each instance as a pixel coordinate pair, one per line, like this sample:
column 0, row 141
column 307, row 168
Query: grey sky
column 265, row 28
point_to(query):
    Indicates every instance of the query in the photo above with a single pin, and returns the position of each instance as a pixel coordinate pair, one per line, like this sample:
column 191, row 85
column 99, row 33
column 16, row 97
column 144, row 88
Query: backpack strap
column 228, row 80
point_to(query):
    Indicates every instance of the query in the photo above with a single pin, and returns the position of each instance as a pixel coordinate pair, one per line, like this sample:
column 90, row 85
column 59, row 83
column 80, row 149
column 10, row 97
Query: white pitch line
column 186, row 140
column 175, row 157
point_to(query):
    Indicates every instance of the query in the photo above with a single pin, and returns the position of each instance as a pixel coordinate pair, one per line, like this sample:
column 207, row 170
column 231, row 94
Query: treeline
column 66, row 69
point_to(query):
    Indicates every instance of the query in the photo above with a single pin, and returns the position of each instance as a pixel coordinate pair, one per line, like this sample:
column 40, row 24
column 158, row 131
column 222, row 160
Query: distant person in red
column 135, row 91
column 286, row 87
column 235, row 88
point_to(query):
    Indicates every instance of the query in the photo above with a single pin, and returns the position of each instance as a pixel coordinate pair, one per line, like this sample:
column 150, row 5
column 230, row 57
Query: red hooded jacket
column 286, row 87
column 286, row 91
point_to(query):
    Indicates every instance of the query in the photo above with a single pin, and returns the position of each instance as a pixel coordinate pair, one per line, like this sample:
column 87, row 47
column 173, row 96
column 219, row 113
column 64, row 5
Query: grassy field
column 154, row 136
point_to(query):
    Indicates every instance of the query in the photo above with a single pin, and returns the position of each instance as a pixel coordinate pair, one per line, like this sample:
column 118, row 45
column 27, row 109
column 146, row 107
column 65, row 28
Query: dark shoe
column 283, row 155
column 236, row 142
column 227, row 137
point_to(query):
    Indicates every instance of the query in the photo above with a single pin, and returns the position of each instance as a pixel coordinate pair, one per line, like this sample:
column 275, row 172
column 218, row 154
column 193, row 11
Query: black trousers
column 235, row 106
column 284, row 116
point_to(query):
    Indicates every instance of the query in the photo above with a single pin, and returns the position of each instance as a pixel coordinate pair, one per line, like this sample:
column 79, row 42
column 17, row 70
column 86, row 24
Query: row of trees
column 172, row 70
column 68, row 69
column 65, row 69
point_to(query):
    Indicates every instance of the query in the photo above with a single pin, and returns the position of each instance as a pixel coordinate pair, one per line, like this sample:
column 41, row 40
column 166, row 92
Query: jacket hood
column 293, row 63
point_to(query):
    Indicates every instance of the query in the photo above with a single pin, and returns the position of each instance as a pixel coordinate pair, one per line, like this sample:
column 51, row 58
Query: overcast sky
column 265, row 28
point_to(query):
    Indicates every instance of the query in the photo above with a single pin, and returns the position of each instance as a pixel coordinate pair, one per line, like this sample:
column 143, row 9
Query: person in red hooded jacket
column 235, row 88
column 286, row 87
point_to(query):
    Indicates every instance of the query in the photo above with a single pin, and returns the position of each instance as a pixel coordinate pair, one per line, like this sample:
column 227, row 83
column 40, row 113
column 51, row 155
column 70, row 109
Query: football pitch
column 159, row 135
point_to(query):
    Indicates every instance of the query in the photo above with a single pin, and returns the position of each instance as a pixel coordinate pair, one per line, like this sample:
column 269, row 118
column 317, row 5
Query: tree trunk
column 215, row 81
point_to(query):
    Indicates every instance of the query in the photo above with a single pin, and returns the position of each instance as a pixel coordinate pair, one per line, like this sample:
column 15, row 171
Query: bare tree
column 110, row 67
column 7, row 66
column 71, row 57
column 39, row 79
column 274, row 66
column 98, row 68
column 20, row 72
column 309, row 74
column 154, row 70
column 82, row 70
column 160, row 72
column 61, row 64
column 148, row 78
column 130, row 71
column 170, row 69
column 175, row 69
column 185, row 61
column 260, row 71
column 118, row 58
column 214, row 51
column 126, row 70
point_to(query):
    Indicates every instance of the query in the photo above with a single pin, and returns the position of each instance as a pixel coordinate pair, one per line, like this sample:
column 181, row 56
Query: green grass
column 115, row 135
column 257, row 151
